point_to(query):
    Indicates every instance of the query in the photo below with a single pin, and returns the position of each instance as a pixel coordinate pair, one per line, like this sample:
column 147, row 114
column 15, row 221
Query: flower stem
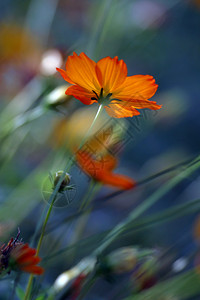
column 54, row 196
column 91, row 127
column 28, row 289
column 21, row 120
column 93, row 189
column 183, row 164
column 121, row 227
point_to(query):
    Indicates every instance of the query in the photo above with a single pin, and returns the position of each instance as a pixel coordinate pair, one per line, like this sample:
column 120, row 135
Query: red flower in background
column 25, row 259
column 19, row 256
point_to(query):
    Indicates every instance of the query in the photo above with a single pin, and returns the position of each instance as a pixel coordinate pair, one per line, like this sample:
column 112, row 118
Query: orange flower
column 19, row 256
column 101, row 170
column 106, row 82
column 25, row 259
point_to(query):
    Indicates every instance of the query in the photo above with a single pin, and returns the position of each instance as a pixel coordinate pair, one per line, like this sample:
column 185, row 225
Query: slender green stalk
column 165, row 171
column 84, row 218
column 87, row 286
column 93, row 188
column 121, row 227
column 138, row 225
column 21, row 120
column 72, row 160
column 53, row 198
column 91, row 127
column 44, row 227
column 167, row 215
column 28, row 289
column 15, row 283
column 185, row 163
column 111, row 195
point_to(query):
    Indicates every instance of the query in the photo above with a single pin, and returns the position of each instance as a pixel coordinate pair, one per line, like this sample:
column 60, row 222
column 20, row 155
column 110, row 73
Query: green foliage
column 179, row 287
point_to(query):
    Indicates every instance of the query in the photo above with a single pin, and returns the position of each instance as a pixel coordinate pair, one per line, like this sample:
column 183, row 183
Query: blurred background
column 155, row 37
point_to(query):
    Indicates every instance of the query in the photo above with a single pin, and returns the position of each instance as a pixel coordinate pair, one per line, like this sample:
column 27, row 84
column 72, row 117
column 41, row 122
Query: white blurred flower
column 51, row 60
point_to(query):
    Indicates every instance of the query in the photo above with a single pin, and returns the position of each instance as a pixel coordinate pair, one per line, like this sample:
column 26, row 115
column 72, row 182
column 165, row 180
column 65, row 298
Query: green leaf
column 144, row 223
column 119, row 229
column 167, row 215
column 40, row 297
column 20, row 293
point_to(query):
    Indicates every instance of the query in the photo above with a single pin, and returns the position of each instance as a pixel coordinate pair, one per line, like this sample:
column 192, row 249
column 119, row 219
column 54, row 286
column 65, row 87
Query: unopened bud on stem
column 64, row 183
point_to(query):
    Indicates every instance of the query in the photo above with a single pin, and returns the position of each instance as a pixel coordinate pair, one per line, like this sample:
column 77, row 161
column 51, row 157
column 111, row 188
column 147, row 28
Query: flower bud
column 65, row 181
column 122, row 260
column 125, row 259
column 57, row 97
column 83, row 268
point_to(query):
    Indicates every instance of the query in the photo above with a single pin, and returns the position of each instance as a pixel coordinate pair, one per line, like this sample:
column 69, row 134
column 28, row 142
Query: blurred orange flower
column 102, row 170
column 19, row 256
column 25, row 259
column 106, row 82
column 18, row 45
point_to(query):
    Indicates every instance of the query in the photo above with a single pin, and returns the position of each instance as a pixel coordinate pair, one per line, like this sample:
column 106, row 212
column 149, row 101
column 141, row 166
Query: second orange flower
column 107, row 83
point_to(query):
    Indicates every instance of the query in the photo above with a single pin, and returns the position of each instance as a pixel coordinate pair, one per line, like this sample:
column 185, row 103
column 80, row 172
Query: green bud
column 123, row 259
column 64, row 183
column 57, row 97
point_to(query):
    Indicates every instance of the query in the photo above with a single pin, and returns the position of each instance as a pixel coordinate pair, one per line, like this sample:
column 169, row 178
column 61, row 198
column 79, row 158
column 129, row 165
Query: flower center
column 105, row 100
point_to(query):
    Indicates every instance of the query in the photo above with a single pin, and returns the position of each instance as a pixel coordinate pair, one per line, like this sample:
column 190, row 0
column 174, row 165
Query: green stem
column 53, row 198
column 21, row 120
column 91, row 127
column 28, row 289
column 94, row 187
column 163, row 172
column 121, row 227
column 185, row 164
column 72, row 160
column 87, row 286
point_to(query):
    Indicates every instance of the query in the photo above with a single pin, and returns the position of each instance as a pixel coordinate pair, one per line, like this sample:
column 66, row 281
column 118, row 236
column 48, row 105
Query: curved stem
column 28, row 289
column 121, row 227
column 53, row 198
column 21, row 120
column 91, row 127
column 185, row 163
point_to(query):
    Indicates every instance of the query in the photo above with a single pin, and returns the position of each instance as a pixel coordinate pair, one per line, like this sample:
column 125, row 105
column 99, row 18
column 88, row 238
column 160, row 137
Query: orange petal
column 81, row 94
column 111, row 73
column 64, row 75
column 21, row 254
column 119, row 111
column 37, row 270
column 109, row 162
column 121, row 181
column 88, row 164
column 139, row 87
column 139, row 104
column 93, row 166
column 81, row 70
column 33, row 260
